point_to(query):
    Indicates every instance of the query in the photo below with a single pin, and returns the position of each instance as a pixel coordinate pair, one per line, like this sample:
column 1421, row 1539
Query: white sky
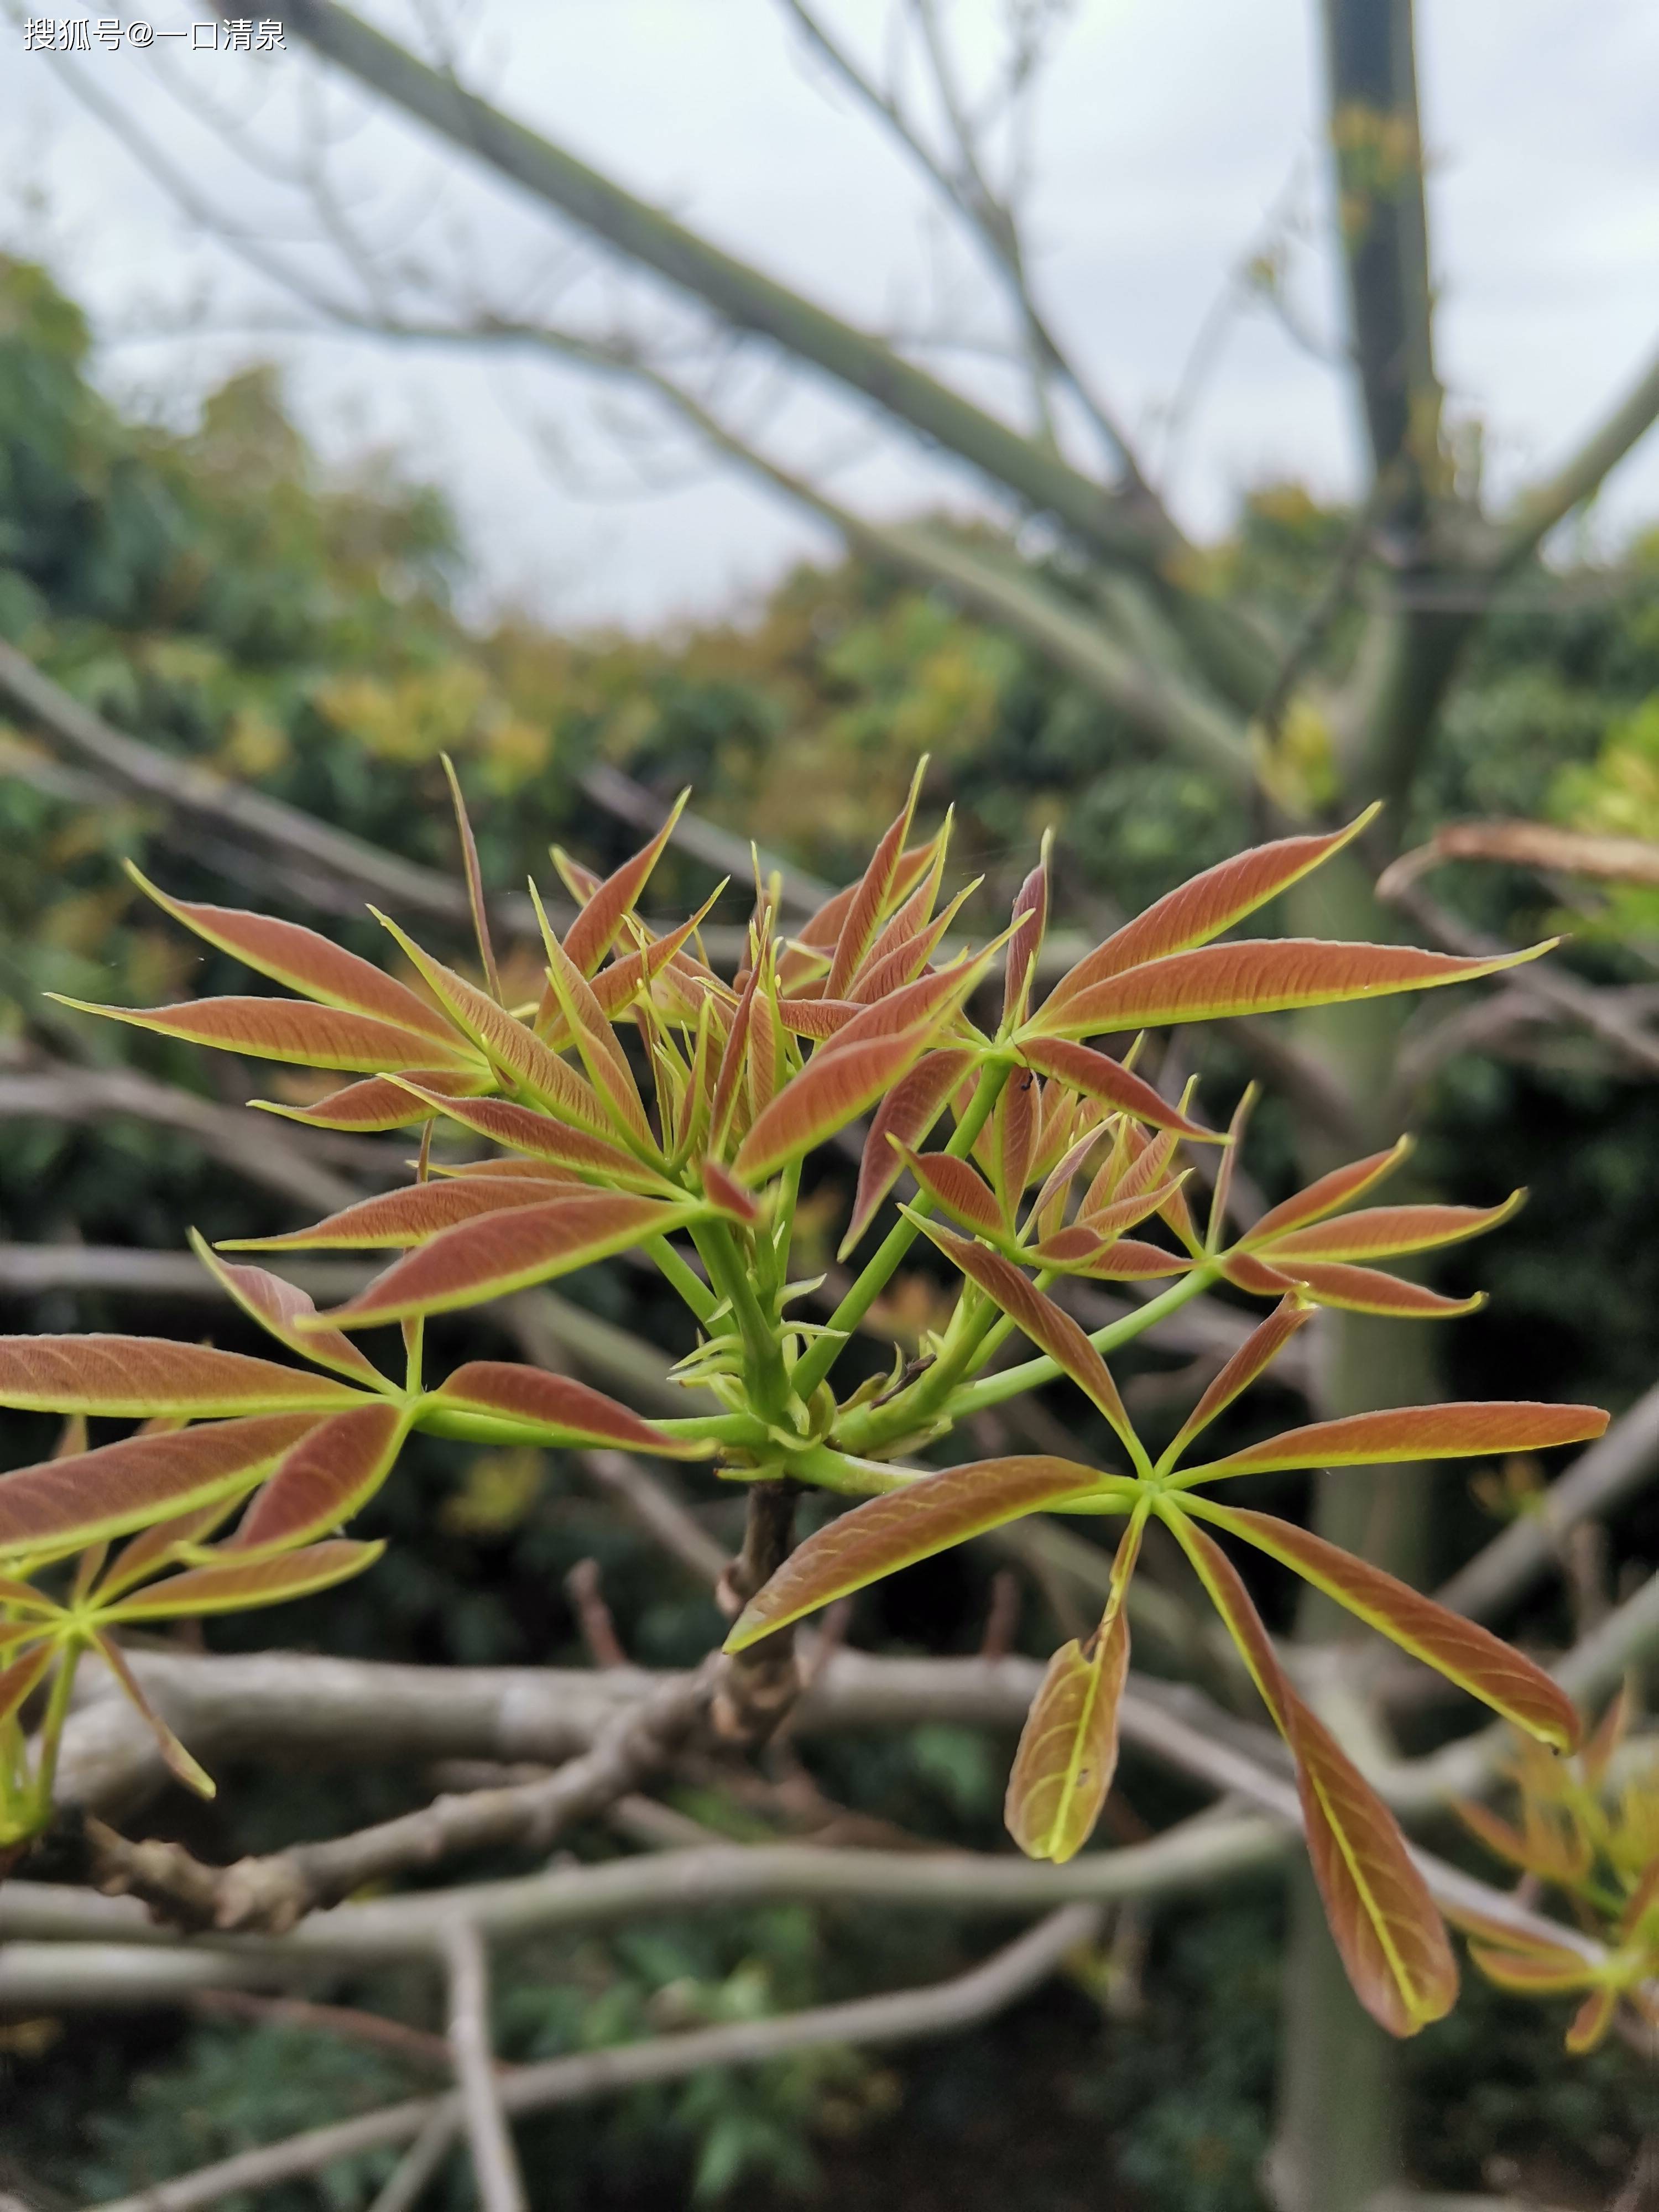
column 1168, row 130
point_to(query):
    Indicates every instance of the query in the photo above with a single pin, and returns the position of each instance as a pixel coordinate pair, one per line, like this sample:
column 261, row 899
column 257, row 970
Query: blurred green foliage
column 217, row 594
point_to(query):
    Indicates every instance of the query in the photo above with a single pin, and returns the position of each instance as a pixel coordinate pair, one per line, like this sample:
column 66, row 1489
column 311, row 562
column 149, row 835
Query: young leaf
column 380, row 1101
column 1097, row 1075
column 1392, row 1939
column 1268, row 976
column 1050, row 1329
column 903, row 1118
column 833, row 1088
column 896, row 1530
column 1592, row 2021
column 1533, row 1973
column 475, row 892
column 522, row 1130
column 577, row 1414
column 131, row 1377
column 1026, row 940
column 593, row 931
column 1083, row 1250
column 289, row 1314
column 727, row 1195
column 71, row 1501
column 1252, row 1359
column 1068, row 1750
column 302, row 961
column 249, row 1582
column 184, row 1768
column 504, row 1252
column 1202, row 908
column 20, row 1680
column 1460, row 1649
column 507, row 1044
column 1013, row 1132
column 602, row 1055
column 874, row 897
column 157, row 1546
column 291, row 1029
column 1477, row 1430
column 323, row 1480
column 958, row 1187
column 1367, row 1290
column 398, row 1218
column 1338, row 1189
column 1379, row 1233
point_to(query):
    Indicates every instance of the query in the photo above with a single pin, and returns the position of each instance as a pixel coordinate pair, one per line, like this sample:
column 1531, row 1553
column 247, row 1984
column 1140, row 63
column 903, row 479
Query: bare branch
column 494, row 2161
column 1597, row 1483
column 746, row 299
column 1528, row 845
column 202, row 794
column 262, row 1150
column 904, row 2017
column 1601, row 1012
column 1536, row 512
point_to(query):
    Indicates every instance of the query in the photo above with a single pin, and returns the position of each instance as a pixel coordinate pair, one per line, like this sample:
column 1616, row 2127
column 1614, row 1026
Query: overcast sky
column 1170, row 132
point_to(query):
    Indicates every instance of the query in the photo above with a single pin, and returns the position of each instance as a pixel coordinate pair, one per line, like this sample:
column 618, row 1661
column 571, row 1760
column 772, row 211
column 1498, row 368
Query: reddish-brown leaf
column 573, row 1412
column 1532, row 1974
column 152, row 1548
column 903, row 1118
column 1265, row 977
column 1026, row 941
column 1461, row 1649
column 1479, row 1429
column 1049, row 1328
column 1097, row 1075
column 1338, row 1189
column 727, row 1195
column 1392, row 1939
column 509, row 1045
column 1014, row 1130
column 289, row 1314
column 593, row 931
column 21, row 1679
column 959, row 1188
column 1378, row 1232
column 326, row 1478
column 1592, row 2021
column 602, row 1055
column 1081, row 1251
column 135, row 1376
column 1067, row 1752
column 292, row 1029
column 1202, row 908
column 304, row 962
column 178, row 1761
column 380, row 1101
column 895, row 1531
column 1252, row 1359
column 833, row 1089
column 504, row 1252
column 523, row 1130
column 71, row 1501
column 876, row 895
column 474, row 874
column 1368, row 1289
column 395, row 1220
column 249, row 1582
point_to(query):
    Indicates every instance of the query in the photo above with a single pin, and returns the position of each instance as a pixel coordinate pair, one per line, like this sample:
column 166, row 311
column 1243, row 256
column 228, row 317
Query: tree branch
column 740, row 294
column 1597, row 1483
column 1537, row 511
column 905, row 2015
column 489, row 2140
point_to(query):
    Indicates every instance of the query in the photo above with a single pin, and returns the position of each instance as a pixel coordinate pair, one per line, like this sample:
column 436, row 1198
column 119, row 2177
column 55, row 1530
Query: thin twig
column 489, row 2139
column 902, row 2016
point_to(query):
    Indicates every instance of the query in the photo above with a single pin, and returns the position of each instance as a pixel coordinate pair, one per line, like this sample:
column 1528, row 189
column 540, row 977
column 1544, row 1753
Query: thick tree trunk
column 1339, row 2143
